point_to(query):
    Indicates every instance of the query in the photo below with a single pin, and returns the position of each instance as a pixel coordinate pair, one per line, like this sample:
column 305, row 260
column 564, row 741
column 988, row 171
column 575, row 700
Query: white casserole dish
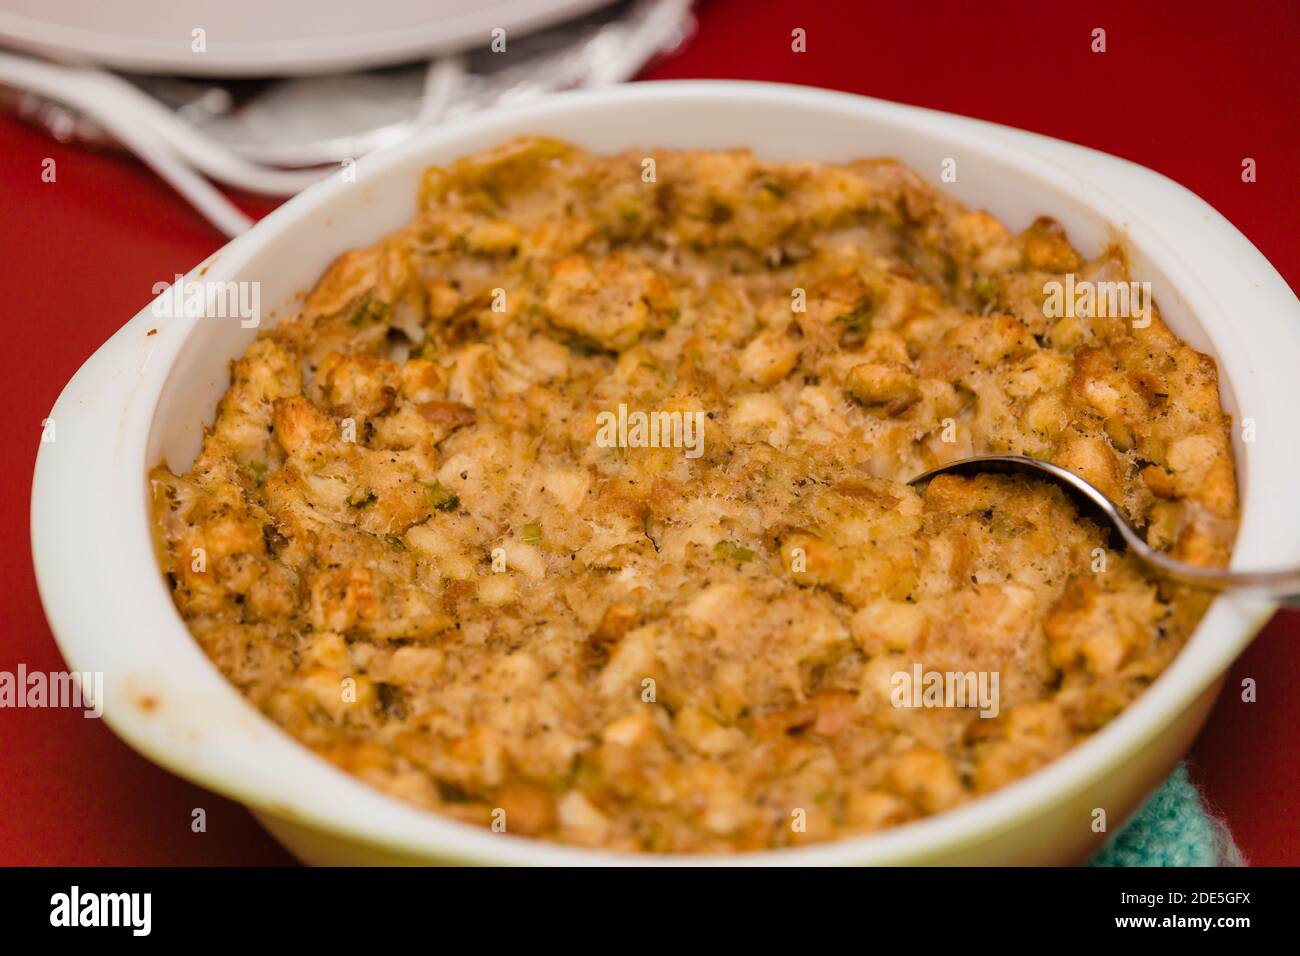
column 142, row 398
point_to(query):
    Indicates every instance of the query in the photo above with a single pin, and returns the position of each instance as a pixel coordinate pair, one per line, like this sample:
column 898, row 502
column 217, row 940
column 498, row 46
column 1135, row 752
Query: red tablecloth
column 1188, row 89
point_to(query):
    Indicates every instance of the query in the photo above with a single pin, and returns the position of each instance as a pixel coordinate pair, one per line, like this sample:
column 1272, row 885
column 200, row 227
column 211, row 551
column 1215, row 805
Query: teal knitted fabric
column 1172, row 829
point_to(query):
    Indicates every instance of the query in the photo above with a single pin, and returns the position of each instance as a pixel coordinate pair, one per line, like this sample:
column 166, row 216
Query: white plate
column 266, row 37
column 145, row 396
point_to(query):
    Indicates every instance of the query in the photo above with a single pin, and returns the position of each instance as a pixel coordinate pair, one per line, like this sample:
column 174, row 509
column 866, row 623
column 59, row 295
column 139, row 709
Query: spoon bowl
column 1281, row 584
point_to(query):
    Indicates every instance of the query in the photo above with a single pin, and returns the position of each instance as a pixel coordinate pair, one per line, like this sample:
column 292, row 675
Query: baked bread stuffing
column 406, row 542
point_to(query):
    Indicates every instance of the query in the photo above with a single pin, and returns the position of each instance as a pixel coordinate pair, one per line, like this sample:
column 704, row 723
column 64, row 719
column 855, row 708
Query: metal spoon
column 1283, row 585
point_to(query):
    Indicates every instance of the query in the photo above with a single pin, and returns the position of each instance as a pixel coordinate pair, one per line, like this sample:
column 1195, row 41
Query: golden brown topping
column 579, row 506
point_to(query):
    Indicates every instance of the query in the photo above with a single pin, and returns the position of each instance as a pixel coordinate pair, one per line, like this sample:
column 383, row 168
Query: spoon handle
column 1283, row 585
